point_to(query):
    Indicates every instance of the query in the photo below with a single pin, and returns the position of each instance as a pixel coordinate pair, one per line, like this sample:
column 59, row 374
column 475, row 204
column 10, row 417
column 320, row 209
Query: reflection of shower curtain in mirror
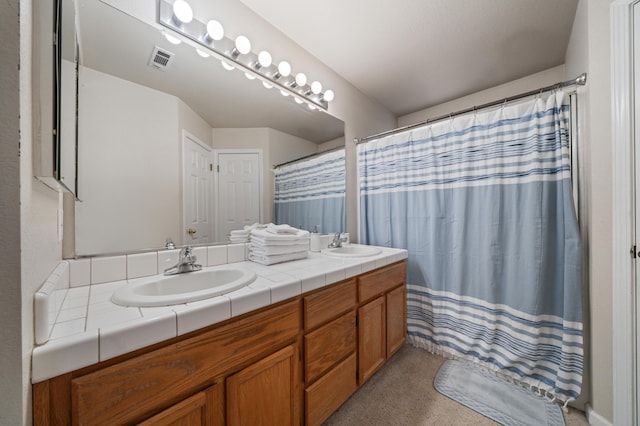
column 483, row 204
column 311, row 193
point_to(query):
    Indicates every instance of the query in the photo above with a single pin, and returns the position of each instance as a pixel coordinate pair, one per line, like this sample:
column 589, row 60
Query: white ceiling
column 412, row 54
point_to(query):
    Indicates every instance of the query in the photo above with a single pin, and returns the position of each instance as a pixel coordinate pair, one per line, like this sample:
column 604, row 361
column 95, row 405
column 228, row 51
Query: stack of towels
column 278, row 243
column 242, row 235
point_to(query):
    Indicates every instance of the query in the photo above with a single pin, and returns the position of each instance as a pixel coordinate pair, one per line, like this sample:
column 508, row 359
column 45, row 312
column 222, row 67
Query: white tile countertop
column 89, row 328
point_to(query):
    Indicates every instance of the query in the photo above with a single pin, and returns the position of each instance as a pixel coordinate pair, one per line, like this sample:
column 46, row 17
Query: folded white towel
column 267, row 237
column 273, row 243
column 238, row 239
column 262, row 250
column 241, row 232
column 281, row 229
column 279, row 258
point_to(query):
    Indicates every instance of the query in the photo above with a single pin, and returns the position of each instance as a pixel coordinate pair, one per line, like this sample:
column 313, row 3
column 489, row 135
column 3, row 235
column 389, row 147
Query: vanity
column 291, row 362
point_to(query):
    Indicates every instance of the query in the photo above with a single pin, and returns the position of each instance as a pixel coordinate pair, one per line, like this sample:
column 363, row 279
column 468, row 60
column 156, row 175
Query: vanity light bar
column 238, row 54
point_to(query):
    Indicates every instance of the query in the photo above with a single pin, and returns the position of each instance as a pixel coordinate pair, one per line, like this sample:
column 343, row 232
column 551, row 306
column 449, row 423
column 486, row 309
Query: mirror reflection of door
column 239, row 190
column 197, row 191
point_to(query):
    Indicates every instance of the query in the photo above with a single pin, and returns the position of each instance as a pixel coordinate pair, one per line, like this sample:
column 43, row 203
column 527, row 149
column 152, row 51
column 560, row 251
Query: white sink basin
column 182, row 288
column 351, row 251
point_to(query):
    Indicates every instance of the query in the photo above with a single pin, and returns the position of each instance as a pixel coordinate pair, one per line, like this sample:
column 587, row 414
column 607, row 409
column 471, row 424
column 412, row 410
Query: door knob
column 191, row 231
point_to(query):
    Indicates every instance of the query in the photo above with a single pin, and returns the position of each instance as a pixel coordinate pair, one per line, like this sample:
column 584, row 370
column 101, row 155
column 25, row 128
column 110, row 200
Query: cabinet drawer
column 381, row 280
column 327, row 394
column 328, row 304
column 329, row 344
column 133, row 389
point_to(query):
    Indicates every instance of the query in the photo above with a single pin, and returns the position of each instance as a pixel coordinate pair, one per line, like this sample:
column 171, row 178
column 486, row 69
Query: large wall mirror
column 143, row 127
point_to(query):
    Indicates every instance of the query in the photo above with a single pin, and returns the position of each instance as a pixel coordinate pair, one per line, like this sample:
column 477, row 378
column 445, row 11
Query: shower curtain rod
column 306, row 157
column 580, row 80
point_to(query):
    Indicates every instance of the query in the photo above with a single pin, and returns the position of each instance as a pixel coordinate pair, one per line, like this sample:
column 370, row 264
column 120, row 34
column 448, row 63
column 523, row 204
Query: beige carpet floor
column 402, row 394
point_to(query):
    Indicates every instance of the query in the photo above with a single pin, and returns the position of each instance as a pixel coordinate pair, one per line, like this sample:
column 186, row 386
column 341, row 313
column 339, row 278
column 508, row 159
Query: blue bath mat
column 497, row 399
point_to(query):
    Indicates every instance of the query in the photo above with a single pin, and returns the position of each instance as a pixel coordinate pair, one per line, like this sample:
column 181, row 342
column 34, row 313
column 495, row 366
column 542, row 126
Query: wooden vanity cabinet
column 291, row 363
column 169, row 377
column 381, row 317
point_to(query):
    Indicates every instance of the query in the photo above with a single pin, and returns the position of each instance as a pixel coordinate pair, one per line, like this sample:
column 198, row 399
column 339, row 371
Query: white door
column 636, row 206
column 625, row 75
column 197, row 180
column 239, row 191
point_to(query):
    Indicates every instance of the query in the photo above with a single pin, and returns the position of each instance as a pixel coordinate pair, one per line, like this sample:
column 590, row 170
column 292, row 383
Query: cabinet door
column 396, row 307
column 267, row 392
column 372, row 348
column 203, row 408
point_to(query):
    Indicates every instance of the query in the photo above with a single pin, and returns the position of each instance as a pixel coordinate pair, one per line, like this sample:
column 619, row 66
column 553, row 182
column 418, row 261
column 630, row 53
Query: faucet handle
column 186, row 252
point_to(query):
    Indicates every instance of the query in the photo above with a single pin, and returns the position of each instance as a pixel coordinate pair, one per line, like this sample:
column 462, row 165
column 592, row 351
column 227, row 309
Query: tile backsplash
column 54, row 302
column 48, row 301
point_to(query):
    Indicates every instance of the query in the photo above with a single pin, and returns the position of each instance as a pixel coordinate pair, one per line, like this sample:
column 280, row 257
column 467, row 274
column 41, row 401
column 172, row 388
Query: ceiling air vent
column 160, row 58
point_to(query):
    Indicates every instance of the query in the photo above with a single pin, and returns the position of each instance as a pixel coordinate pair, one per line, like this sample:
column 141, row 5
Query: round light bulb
column 243, row 44
column 283, row 93
column 328, row 95
column 172, row 39
column 298, row 101
column 264, row 58
column 311, row 106
column 249, row 76
column 301, row 79
column 284, row 68
column 202, row 53
column 182, row 11
column 316, row 87
column 215, row 31
column 227, row 66
column 267, row 85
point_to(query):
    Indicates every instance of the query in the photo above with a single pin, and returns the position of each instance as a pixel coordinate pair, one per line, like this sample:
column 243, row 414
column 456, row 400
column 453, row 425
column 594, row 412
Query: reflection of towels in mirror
column 242, row 235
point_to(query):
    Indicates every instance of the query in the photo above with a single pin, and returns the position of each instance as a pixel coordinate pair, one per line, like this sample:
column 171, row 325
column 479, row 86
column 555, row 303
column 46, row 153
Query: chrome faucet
column 337, row 241
column 186, row 263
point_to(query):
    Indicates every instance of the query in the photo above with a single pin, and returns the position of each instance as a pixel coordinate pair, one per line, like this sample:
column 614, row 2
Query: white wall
column 129, row 170
column 334, row 143
column 525, row 84
column 11, row 385
column 577, row 63
column 189, row 120
column 589, row 50
column 28, row 230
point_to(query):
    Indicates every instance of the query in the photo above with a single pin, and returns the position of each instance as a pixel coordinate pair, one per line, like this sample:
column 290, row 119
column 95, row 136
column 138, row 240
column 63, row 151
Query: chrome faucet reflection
column 186, row 263
column 337, row 241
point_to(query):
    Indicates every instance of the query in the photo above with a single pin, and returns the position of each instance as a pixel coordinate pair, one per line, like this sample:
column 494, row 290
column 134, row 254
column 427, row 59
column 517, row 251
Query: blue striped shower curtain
column 311, row 193
column 483, row 204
